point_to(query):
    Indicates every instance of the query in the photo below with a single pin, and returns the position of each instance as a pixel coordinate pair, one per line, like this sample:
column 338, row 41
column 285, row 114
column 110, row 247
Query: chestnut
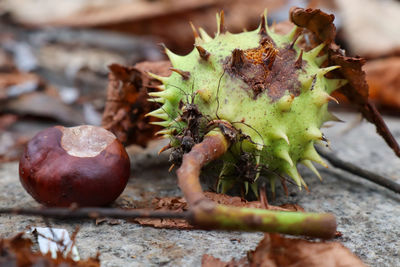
column 86, row 165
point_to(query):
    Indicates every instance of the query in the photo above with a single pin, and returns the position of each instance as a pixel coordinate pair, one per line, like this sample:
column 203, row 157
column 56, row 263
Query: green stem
column 321, row 225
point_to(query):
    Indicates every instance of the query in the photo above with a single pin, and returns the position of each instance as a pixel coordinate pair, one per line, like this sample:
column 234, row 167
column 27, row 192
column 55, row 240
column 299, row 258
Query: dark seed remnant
column 267, row 69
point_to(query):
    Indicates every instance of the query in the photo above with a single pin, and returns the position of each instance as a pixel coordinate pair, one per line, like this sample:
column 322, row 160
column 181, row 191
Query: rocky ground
column 368, row 215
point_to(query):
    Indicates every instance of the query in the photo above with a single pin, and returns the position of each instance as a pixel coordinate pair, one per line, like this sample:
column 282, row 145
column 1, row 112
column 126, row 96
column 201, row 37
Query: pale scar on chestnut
column 85, row 140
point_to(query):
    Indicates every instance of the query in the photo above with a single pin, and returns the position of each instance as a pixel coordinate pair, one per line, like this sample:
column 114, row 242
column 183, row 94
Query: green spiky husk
column 278, row 129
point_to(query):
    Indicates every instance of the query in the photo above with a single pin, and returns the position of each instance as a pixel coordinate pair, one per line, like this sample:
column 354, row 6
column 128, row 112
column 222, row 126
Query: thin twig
column 368, row 175
column 95, row 213
column 211, row 148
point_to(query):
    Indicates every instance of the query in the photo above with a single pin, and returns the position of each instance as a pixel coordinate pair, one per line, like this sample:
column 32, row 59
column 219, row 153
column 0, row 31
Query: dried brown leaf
column 210, row 261
column 320, row 23
column 127, row 104
column 108, row 221
column 17, row 251
column 240, row 202
column 275, row 250
column 357, row 93
column 292, row 207
column 351, row 69
column 177, row 204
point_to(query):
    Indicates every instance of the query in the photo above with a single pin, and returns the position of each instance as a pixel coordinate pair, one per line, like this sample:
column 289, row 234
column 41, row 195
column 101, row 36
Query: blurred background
column 54, row 55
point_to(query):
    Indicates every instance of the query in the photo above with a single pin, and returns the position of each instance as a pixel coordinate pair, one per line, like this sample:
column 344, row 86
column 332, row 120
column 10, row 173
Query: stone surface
column 368, row 215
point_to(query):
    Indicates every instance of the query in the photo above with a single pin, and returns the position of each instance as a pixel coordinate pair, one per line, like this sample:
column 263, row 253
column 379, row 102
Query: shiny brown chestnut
column 86, row 165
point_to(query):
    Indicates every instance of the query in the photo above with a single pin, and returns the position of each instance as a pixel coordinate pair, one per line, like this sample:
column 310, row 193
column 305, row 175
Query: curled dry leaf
column 356, row 90
column 240, row 202
column 17, row 251
column 127, row 101
column 179, row 204
column 357, row 93
column 275, row 250
column 320, row 23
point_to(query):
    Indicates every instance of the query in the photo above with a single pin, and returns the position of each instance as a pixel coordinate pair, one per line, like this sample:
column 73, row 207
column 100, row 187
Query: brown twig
column 212, row 147
column 368, row 175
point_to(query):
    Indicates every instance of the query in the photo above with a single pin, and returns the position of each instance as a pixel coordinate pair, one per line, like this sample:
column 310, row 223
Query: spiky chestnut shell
column 263, row 85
